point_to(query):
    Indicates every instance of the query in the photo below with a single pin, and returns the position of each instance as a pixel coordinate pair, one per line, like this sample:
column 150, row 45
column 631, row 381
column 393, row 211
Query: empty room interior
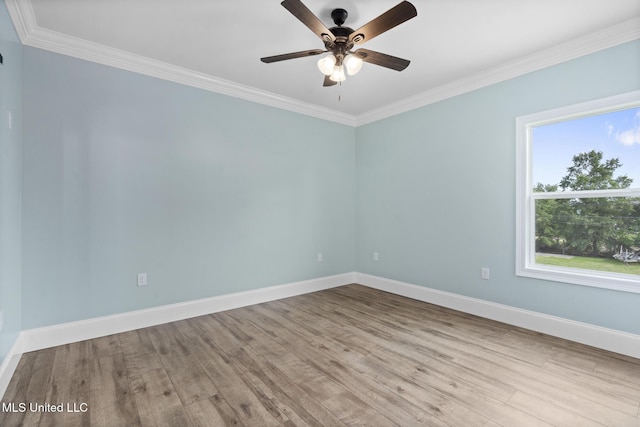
column 199, row 228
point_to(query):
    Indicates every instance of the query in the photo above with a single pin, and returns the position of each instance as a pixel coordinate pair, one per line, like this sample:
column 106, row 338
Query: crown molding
column 32, row 35
column 609, row 37
column 23, row 17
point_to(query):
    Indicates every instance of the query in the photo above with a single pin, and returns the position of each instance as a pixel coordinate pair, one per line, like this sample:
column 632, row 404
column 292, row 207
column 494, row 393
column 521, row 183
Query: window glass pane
column 600, row 233
column 578, row 193
column 589, row 153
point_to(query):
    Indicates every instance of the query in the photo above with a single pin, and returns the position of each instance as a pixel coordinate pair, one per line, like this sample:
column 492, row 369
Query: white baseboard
column 65, row 333
column 50, row 336
column 584, row 333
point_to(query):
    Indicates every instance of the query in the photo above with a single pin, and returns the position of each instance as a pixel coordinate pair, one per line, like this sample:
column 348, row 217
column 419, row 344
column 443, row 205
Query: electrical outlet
column 142, row 279
column 485, row 273
column 376, row 256
column 320, row 257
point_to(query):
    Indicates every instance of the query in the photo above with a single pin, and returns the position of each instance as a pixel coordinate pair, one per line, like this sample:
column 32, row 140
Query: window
column 578, row 194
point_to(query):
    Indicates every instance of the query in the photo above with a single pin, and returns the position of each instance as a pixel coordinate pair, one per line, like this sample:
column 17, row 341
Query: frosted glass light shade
column 353, row 63
column 338, row 74
column 327, row 64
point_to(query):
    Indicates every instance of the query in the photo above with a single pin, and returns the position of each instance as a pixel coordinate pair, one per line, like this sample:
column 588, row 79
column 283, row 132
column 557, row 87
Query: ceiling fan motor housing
column 341, row 45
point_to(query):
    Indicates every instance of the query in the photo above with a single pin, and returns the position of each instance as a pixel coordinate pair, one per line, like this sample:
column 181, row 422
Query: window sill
column 593, row 278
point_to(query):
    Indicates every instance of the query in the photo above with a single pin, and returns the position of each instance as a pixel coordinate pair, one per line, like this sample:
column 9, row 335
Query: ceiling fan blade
column 292, row 55
column 395, row 16
column 328, row 82
column 302, row 12
column 382, row 59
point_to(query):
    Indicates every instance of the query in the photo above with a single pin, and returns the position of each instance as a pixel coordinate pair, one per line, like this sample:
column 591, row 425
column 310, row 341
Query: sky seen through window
column 616, row 134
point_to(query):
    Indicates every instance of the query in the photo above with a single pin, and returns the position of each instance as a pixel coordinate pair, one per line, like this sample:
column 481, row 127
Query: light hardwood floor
column 341, row 357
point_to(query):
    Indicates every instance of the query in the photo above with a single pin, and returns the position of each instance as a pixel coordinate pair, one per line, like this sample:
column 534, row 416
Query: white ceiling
column 454, row 45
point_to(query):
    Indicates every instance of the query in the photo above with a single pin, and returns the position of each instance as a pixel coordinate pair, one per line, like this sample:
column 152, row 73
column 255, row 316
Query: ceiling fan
column 339, row 41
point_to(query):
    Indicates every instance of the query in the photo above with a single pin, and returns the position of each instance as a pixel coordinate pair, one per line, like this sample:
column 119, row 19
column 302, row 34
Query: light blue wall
column 207, row 194
column 10, row 187
column 210, row 195
column 436, row 191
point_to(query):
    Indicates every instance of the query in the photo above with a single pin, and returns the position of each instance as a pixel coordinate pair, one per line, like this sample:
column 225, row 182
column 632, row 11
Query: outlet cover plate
column 142, row 279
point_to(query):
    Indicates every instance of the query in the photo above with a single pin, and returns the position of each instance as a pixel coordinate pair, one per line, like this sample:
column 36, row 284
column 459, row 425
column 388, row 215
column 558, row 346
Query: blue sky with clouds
column 616, row 134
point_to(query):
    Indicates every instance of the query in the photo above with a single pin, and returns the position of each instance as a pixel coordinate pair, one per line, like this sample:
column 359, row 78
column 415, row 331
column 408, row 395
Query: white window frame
column 525, row 197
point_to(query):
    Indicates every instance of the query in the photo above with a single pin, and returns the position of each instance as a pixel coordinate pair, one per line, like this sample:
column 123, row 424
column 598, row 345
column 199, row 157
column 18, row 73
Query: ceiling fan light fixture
column 339, row 40
column 327, row 64
column 338, row 74
column 353, row 63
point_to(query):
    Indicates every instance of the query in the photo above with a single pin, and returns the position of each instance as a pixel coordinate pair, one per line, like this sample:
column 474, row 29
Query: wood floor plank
column 416, row 355
column 187, row 376
column 622, row 370
column 236, row 388
column 110, row 392
column 516, row 363
column 299, row 406
column 69, row 386
column 401, row 322
column 235, row 339
column 375, row 391
column 617, row 395
column 314, row 378
column 392, row 405
column 471, row 396
column 104, row 346
column 514, row 359
column 212, row 412
column 346, row 356
column 255, row 357
column 216, row 407
column 156, row 399
column 549, row 412
column 403, row 366
column 155, row 396
column 29, row 383
column 542, row 384
column 489, row 385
